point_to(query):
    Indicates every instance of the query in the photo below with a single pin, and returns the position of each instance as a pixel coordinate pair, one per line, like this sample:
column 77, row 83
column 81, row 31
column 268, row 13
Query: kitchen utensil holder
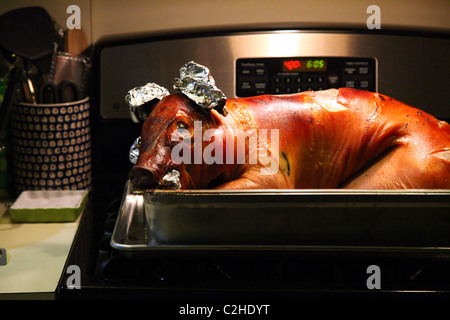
column 51, row 146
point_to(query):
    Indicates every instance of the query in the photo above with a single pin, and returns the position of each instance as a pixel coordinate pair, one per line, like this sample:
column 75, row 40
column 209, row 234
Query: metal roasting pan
column 197, row 221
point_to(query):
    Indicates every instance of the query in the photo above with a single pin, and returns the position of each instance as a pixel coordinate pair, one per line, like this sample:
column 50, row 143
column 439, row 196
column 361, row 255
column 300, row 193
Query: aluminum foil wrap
column 139, row 96
column 134, row 151
column 197, row 84
column 171, row 180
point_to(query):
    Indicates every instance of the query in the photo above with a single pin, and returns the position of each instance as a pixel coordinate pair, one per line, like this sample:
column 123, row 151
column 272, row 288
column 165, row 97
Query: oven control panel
column 256, row 76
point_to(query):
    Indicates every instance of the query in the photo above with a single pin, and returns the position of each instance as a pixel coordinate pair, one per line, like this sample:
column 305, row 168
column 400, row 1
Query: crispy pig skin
column 337, row 138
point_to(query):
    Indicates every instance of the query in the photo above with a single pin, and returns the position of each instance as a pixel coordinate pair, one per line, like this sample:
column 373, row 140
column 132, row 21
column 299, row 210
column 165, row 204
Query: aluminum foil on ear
column 198, row 85
column 138, row 97
column 134, row 151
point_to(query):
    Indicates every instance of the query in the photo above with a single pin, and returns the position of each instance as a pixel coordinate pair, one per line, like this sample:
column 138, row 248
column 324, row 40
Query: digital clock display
column 304, row 65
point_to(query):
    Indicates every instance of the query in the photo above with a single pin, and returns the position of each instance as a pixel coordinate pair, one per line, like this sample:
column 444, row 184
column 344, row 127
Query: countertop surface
column 36, row 254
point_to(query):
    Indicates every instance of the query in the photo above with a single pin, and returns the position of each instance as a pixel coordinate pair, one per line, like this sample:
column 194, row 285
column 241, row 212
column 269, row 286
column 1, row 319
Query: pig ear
column 142, row 100
column 216, row 117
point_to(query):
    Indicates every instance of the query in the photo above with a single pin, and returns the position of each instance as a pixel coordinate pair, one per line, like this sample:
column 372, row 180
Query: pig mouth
column 173, row 178
column 176, row 178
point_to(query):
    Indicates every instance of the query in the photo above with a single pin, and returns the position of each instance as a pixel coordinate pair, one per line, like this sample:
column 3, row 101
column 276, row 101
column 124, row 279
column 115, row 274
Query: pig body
column 337, row 138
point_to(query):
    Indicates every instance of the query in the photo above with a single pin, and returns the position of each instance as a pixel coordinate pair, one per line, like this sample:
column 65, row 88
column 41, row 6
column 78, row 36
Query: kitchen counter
column 36, row 255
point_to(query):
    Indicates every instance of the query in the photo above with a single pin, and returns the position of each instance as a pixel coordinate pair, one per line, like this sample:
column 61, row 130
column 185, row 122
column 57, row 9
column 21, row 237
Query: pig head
column 171, row 123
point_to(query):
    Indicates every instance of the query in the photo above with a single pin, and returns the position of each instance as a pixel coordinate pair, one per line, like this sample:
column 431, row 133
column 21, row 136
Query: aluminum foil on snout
column 198, row 85
column 138, row 97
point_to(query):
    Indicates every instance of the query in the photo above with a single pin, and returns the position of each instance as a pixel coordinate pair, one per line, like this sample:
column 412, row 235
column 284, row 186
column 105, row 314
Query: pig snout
column 142, row 178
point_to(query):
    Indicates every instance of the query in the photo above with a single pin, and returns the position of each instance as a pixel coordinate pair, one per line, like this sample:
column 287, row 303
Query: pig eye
column 181, row 132
column 181, row 125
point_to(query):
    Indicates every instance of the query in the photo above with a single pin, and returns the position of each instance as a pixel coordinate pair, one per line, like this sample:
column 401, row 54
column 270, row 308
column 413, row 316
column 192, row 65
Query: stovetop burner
column 106, row 273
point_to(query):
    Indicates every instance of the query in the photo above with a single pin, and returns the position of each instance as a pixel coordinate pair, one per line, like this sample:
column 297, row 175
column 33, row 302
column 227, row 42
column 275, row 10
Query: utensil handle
column 28, row 88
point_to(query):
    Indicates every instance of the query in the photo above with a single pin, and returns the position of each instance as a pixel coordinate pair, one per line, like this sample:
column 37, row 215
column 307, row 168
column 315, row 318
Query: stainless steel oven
column 411, row 67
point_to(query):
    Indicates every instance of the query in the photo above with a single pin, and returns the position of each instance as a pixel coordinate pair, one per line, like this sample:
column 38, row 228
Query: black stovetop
column 105, row 273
